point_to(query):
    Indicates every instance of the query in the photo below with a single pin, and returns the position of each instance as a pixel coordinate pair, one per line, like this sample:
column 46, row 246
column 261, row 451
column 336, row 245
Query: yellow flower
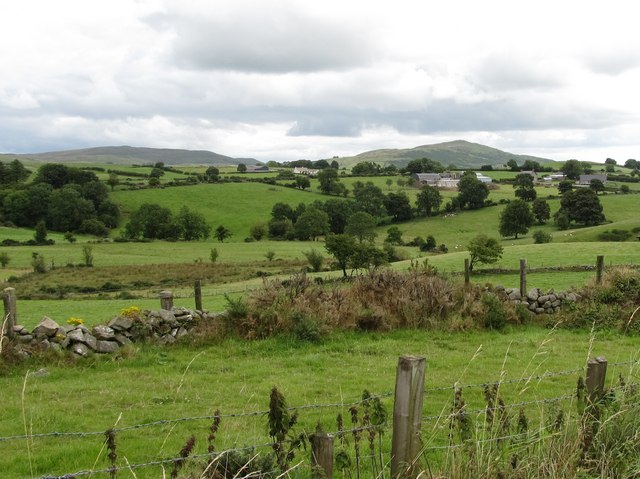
column 75, row 321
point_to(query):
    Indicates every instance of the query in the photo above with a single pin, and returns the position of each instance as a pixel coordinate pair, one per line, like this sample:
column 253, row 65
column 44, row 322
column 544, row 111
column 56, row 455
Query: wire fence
column 448, row 415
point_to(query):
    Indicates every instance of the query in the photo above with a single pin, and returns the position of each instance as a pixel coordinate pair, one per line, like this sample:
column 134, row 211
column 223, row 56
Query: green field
column 153, row 383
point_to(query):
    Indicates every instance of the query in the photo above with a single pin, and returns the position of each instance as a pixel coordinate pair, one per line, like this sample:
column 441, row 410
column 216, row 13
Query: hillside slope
column 462, row 154
column 129, row 155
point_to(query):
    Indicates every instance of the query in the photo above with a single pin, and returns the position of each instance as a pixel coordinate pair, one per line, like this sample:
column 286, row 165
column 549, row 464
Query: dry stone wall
column 539, row 301
column 163, row 326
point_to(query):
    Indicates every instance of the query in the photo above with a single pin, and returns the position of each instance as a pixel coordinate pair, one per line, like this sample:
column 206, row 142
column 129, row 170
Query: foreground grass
column 151, row 383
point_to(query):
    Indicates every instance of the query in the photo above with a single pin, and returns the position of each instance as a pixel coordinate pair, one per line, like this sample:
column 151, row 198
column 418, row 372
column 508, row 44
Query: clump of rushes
column 460, row 421
column 184, row 454
column 111, row 447
column 280, row 428
column 215, row 425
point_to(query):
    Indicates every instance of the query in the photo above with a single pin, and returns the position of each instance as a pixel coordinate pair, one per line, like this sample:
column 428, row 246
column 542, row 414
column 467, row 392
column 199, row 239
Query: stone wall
column 537, row 300
column 163, row 326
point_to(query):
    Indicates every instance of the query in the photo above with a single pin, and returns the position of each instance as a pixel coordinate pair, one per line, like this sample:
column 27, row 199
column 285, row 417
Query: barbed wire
column 158, row 462
column 162, row 422
column 506, row 406
column 535, row 377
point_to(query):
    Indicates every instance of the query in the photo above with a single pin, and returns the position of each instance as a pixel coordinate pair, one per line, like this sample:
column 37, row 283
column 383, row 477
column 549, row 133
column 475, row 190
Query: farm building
column 585, row 180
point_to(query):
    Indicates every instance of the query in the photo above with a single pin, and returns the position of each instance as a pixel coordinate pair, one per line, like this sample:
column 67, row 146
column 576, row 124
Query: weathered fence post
column 596, row 375
column 198, row 295
column 523, row 277
column 599, row 268
column 321, row 455
column 166, row 300
column 9, row 319
column 466, row 272
column 407, row 416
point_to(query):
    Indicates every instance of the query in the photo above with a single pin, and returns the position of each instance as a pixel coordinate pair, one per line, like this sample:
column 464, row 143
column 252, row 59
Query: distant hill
column 462, row 154
column 129, row 155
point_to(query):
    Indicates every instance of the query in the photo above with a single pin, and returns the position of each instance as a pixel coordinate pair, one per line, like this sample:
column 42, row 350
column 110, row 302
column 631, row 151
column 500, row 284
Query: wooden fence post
column 596, row 375
column 599, row 268
column 523, row 277
column 407, row 416
column 10, row 316
column 198, row 295
column 166, row 300
column 321, row 455
column 466, row 272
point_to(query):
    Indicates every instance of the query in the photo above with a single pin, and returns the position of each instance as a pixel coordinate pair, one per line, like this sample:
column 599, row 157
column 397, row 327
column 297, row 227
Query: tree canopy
column 516, row 218
column 483, row 249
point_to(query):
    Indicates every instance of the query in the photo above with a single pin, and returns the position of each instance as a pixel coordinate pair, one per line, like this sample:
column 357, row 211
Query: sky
column 308, row 79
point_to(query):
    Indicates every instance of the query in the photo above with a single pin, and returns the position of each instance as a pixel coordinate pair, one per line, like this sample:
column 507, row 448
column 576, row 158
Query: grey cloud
column 613, row 62
column 511, row 73
column 274, row 40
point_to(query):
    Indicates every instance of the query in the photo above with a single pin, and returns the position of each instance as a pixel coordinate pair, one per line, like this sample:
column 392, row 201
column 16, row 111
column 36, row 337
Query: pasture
column 236, row 377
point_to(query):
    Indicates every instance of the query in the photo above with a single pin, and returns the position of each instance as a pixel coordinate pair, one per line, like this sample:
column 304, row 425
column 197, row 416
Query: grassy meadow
column 149, row 383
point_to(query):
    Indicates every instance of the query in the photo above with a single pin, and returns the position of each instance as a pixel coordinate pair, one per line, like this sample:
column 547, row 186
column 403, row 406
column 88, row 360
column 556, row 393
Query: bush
column 541, row 237
column 615, row 235
column 495, row 315
column 314, row 258
column 305, row 328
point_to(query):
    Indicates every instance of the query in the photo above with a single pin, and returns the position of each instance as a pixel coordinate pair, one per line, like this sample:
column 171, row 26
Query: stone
column 167, row 339
column 46, row 327
column 187, row 318
column 543, row 299
column 25, row 338
column 515, row 295
column 122, row 339
column 90, row 341
column 79, row 349
column 572, row 297
column 539, row 310
column 547, row 305
column 106, row 347
column 40, row 373
column 76, row 336
column 121, row 323
column 45, row 344
column 167, row 316
column 18, row 329
column 103, row 332
column 552, row 297
column 556, row 303
column 181, row 333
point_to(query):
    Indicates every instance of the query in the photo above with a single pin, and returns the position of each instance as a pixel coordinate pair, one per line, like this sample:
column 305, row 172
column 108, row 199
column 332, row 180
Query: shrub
column 314, row 258
column 305, row 328
column 540, row 237
column 87, row 255
column 615, row 235
column 495, row 315
column 37, row 263
column 213, row 255
column 4, row 259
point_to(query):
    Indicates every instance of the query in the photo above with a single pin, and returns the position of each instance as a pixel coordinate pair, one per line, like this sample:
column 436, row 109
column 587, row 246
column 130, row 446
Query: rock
column 45, row 344
column 533, row 294
column 121, row 323
column 571, row 297
column 543, row 299
column 181, row 332
column 167, row 339
column 79, row 349
column 76, row 336
column 19, row 329
column 47, row 327
column 24, row 338
column 106, row 347
column 187, row 318
column 103, row 332
column 90, row 341
column 167, row 316
column 515, row 295
column 556, row 303
column 539, row 310
column 180, row 311
column 40, row 373
column 122, row 339
column 552, row 297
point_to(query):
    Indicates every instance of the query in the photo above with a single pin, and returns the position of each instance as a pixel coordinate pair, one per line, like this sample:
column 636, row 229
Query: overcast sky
column 290, row 79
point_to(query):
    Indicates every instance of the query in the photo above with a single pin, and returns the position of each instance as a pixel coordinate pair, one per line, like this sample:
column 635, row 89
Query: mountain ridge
column 129, row 155
column 461, row 153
